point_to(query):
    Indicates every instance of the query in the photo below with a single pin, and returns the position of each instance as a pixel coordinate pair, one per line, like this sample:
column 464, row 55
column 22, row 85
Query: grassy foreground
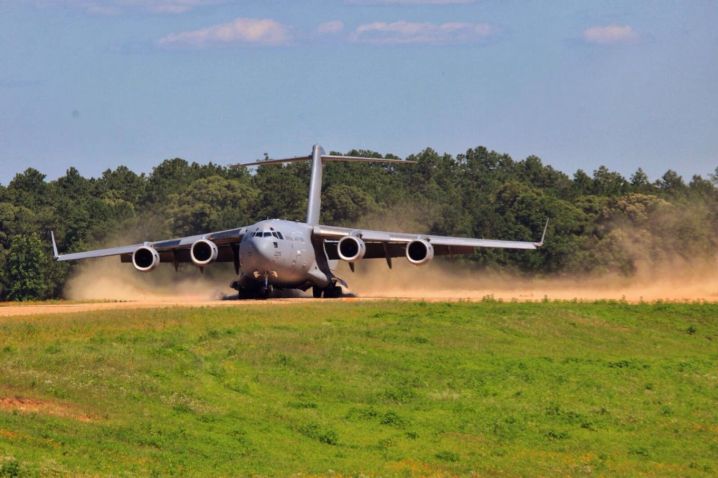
column 376, row 388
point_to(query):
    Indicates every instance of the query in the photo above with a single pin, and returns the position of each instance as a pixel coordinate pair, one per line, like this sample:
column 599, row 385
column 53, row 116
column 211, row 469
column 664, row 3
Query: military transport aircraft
column 294, row 255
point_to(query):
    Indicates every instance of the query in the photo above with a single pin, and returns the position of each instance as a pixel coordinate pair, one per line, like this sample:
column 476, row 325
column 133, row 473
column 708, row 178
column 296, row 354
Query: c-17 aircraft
column 295, row 255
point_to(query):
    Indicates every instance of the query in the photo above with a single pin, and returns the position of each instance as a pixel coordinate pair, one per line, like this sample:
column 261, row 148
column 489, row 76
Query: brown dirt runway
column 15, row 309
column 529, row 295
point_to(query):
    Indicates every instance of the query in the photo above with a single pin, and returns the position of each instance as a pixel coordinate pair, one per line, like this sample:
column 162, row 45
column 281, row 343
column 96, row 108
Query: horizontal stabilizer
column 272, row 161
column 349, row 159
column 325, row 158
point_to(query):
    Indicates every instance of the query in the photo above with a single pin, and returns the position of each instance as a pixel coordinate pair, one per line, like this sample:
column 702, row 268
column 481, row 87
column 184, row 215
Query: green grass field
column 374, row 388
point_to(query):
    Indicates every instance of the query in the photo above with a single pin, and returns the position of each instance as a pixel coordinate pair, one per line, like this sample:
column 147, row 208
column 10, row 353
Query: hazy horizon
column 8, row 175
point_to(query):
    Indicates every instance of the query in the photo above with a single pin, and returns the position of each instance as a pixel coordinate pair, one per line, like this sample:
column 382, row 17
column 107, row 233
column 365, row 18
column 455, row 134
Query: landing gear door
column 323, row 262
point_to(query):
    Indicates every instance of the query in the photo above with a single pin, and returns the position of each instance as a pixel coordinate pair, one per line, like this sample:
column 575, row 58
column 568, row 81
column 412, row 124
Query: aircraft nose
column 263, row 246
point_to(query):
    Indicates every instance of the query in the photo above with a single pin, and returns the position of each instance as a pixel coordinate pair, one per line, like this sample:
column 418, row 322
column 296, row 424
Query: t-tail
column 318, row 158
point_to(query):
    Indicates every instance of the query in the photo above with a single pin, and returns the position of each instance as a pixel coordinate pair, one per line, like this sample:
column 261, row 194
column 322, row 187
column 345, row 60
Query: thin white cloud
column 259, row 31
column 334, row 26
column 403, row 32
column 609, row 34
column 116, row 7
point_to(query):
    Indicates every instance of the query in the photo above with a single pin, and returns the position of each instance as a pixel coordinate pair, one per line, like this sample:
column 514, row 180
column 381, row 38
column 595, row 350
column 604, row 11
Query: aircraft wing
column 171, row 250
column 382, row 244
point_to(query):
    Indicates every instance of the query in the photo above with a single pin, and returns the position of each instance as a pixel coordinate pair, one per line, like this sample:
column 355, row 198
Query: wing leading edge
column 392, row 244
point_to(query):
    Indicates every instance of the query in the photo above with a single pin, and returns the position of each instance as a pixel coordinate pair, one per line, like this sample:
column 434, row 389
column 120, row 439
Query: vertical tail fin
column 55, row 254
column 315, row 186
column 314, row 204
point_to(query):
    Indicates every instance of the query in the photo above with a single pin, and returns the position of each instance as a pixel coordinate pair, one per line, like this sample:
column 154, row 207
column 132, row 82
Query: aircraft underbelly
column 287, row 267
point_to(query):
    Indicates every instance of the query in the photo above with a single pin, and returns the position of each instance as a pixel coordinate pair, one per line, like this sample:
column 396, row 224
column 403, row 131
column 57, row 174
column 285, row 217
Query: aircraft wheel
column 265, row 292
column 316, row 292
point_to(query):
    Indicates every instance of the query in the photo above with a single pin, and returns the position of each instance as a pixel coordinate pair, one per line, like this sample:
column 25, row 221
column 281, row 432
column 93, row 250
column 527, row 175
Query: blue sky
column 95, row 84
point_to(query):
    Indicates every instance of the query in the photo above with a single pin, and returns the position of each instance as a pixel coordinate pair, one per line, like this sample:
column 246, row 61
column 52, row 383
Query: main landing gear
column 266, row 290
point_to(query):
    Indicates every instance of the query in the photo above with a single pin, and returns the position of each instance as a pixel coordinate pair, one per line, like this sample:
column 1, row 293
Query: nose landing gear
column 267, row 289
column 331, row 292
column 264, row 289
column 249, row 290
column 265, row 292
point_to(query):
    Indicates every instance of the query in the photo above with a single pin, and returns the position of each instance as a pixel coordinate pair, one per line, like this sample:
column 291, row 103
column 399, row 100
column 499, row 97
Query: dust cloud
column 660, row 270
column 437, row 281
column 109, row 279
column 661, row 266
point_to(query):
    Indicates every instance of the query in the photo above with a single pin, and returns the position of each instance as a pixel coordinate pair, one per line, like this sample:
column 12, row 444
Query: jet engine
column 351, row 248
column 203, row 252
column 419, row 252
column 145, row 258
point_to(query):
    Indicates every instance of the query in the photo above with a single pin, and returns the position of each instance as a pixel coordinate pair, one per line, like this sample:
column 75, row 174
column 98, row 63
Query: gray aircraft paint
column 288, row 260
column 315, row 186
column 287, row 254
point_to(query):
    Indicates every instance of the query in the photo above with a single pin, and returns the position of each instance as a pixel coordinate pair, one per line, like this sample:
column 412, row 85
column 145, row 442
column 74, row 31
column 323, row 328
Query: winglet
column 543, row 235
column 55, row 254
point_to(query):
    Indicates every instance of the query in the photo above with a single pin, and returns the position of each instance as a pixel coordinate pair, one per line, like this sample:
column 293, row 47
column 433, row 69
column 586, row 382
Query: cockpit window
column 276, row 234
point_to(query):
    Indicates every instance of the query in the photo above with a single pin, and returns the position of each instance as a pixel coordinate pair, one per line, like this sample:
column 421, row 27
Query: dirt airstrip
column 11, row 310
column 532, row 295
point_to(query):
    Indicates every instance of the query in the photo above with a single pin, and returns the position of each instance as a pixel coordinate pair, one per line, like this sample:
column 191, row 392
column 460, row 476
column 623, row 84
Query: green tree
column 282, row 191
column 28, row 189
column 172, row 176
column 122, row 184
column 608, row 183
column 211, row 204
column 702, row 187
column 345, row 205
column 671, row 183
column 640, row 182
column 582, row 183
column 27, row 265
column 600, row 222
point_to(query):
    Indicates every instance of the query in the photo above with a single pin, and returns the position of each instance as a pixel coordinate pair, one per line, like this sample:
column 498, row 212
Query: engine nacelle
column 145, row 258
column 419, row 252
column 351, row 248
column 203, row 252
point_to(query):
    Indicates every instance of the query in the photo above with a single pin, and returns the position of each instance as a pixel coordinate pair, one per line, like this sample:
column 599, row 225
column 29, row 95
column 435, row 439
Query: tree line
column 599, row 222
